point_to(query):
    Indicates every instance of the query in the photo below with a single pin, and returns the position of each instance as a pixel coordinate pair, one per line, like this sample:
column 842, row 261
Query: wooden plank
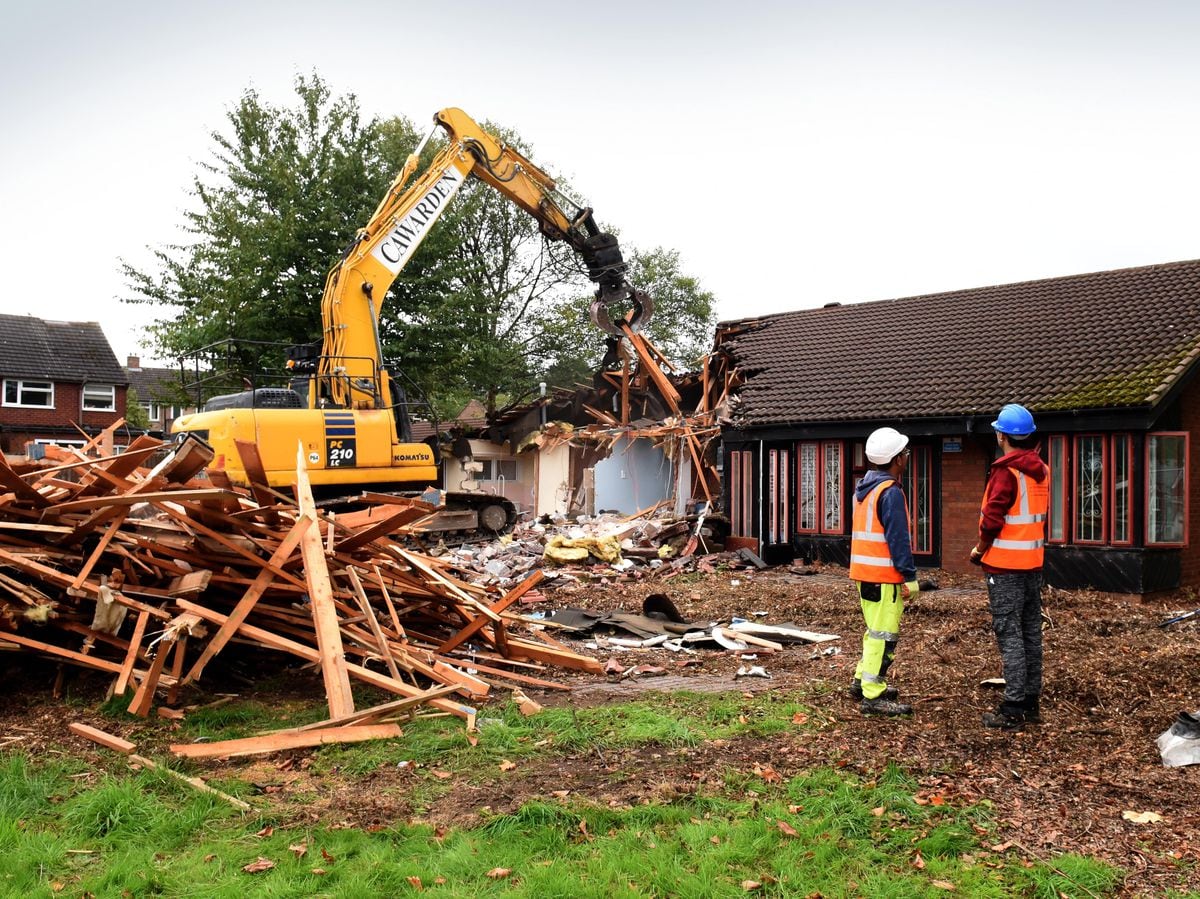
column 320, row 594
column 129, row 499
column 107, row 740
column 13, row 481
column 135, row 645
column 524, row 649
column 109, row 533
column 194, row 782
column 281, row 741
column 479, row 621
column 380, row 529
column 373, row 678
column 144, row 696
column 375, row 712
column 365, row 604
column 249, row 598
column 256, row 474
column 69, row 655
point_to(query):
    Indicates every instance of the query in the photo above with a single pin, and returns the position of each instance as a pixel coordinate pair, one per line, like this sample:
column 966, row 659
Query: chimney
column 134, row 362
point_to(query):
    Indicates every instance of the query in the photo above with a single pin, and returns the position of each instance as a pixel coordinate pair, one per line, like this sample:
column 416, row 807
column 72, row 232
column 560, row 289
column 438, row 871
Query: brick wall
column 1189, row 407
column 963, row 478
column 19, row 424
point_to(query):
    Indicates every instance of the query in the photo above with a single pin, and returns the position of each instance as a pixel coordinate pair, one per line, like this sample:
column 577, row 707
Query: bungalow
column 1105, row 361
column 58, row 379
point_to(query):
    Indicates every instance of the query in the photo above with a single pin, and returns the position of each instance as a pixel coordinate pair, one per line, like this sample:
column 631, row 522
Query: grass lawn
column 68, row 829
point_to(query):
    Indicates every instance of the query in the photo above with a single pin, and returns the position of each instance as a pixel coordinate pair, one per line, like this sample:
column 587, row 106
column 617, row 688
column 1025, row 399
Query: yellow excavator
column 341, row 403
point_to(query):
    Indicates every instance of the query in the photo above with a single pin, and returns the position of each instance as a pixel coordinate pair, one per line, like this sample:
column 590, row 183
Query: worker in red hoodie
column 1012, row 538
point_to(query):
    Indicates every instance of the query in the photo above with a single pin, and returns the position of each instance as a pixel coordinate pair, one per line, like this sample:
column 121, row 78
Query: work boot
column 856, row 693
column 1032, row 707
column 883, row 706
column 1009, row 716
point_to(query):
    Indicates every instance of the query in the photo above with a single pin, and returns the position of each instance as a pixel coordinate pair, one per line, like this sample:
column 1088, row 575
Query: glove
column 976, row 555
column 912, row 588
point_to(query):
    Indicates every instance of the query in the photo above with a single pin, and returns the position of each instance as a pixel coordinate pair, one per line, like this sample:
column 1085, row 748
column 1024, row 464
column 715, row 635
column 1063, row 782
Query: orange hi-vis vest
column 870, row 558
column 1021, row 544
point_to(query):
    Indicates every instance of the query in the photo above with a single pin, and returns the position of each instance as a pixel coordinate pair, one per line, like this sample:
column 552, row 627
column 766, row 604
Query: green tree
column 681, row 327
column 135, row 412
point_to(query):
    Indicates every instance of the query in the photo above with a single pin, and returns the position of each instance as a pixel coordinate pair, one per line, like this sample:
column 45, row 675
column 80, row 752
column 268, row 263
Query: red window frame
column 1066, row 472
column 819, row 491
column 1187, row 481
column 921, row 459
column 735, row 506
column 1111, row 475
column 1104, row 474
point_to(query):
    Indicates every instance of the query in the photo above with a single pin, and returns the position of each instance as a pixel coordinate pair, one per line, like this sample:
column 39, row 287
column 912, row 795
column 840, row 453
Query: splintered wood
column 148, row 574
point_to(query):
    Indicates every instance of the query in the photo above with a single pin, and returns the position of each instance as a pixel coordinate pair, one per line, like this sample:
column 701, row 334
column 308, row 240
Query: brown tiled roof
column 156, row 384
column 1107, row 340
column 56, row 351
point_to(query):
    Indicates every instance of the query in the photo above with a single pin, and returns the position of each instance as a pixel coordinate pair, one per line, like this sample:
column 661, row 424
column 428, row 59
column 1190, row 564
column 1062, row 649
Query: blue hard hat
column 1014, row 420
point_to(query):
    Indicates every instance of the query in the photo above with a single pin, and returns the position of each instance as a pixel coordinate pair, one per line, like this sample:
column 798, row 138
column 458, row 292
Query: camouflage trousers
column 1015, row 601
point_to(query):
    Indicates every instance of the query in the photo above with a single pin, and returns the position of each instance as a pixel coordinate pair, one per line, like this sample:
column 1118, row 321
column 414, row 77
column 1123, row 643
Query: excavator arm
column 351, row 357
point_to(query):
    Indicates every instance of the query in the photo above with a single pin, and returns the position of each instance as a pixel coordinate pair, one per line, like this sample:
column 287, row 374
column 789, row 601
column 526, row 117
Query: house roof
column 472, row 415
column 1107, row 340
column 56, row 351
column 155, row 385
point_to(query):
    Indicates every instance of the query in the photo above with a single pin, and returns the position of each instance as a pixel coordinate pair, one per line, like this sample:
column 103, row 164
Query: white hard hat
column 884, row 445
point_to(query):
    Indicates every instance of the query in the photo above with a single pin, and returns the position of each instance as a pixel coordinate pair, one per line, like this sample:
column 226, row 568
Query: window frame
column 1104, row 470
column 820, row 487
column 111, row 396
column 924, row 453
column 20, row 384
column 1187, row 476
column 1111, row 477
column 1057, row 475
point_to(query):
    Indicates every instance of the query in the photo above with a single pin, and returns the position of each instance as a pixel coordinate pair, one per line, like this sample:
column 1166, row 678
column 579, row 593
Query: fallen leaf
column 506, row 765
column 786, row 829
column 266, row 831
column 877, row 811
column 942, row 885
column 259, row 864
column 473, row 739
column 439, row 774
column 208, row 858
column 560, row 794
column 58, row 886
column 751, row 885
column 1141, row 817
column 325, row 855
column 583, row 827
column 299, row 849
column 767, row 773
column 499, row 873
column 795, row 809
column 1002, row 847
column 439, row 880
column 715, row 840
column 918, row 862
column 800, row 718
column 439, row 832
column 318, row 871
column 937, row 799
column 415, row 883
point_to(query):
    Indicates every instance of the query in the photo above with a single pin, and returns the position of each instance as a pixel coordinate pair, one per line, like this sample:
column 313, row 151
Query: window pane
column 100, row 398
column 1089, row 489
column 1166, row 491
column 832, row 493
column 773, row 496
column 922, row 501
column 806, row 488
column 1058, row 489
column 1120, row 488
column 785, row 533
column 508, row 469
column 10, row 392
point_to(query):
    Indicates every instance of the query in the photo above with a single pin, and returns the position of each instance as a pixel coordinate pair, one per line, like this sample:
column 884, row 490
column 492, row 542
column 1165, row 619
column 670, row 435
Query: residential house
column 1106, row 362
column 60, row 382
column 159, row 392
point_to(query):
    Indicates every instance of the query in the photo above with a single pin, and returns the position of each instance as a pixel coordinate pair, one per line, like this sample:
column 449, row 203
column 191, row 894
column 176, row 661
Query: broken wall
column 635, row 476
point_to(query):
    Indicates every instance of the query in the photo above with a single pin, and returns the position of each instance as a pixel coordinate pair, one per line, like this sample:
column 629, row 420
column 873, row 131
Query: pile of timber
column 148, row 573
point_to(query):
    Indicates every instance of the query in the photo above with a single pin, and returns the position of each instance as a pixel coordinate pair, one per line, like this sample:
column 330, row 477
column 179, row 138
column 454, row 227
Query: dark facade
column 1106, row 362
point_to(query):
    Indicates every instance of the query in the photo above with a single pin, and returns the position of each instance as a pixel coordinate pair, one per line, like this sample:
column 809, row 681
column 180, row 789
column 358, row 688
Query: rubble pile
column 148, row 574
column 603, row 546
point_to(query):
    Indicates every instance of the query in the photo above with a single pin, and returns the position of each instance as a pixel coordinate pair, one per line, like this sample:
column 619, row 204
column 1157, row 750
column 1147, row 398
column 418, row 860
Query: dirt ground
column 1114, row 681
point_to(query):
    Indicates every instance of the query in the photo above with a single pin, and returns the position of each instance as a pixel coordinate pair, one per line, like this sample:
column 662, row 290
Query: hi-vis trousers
column 882, row 606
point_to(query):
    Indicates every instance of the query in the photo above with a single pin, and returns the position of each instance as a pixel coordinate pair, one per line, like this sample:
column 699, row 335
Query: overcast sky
column 794, row 153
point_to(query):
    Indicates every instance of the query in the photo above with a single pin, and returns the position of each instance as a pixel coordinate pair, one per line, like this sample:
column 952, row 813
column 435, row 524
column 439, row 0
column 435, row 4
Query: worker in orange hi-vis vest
column 882, row 565
column 1012, row 538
